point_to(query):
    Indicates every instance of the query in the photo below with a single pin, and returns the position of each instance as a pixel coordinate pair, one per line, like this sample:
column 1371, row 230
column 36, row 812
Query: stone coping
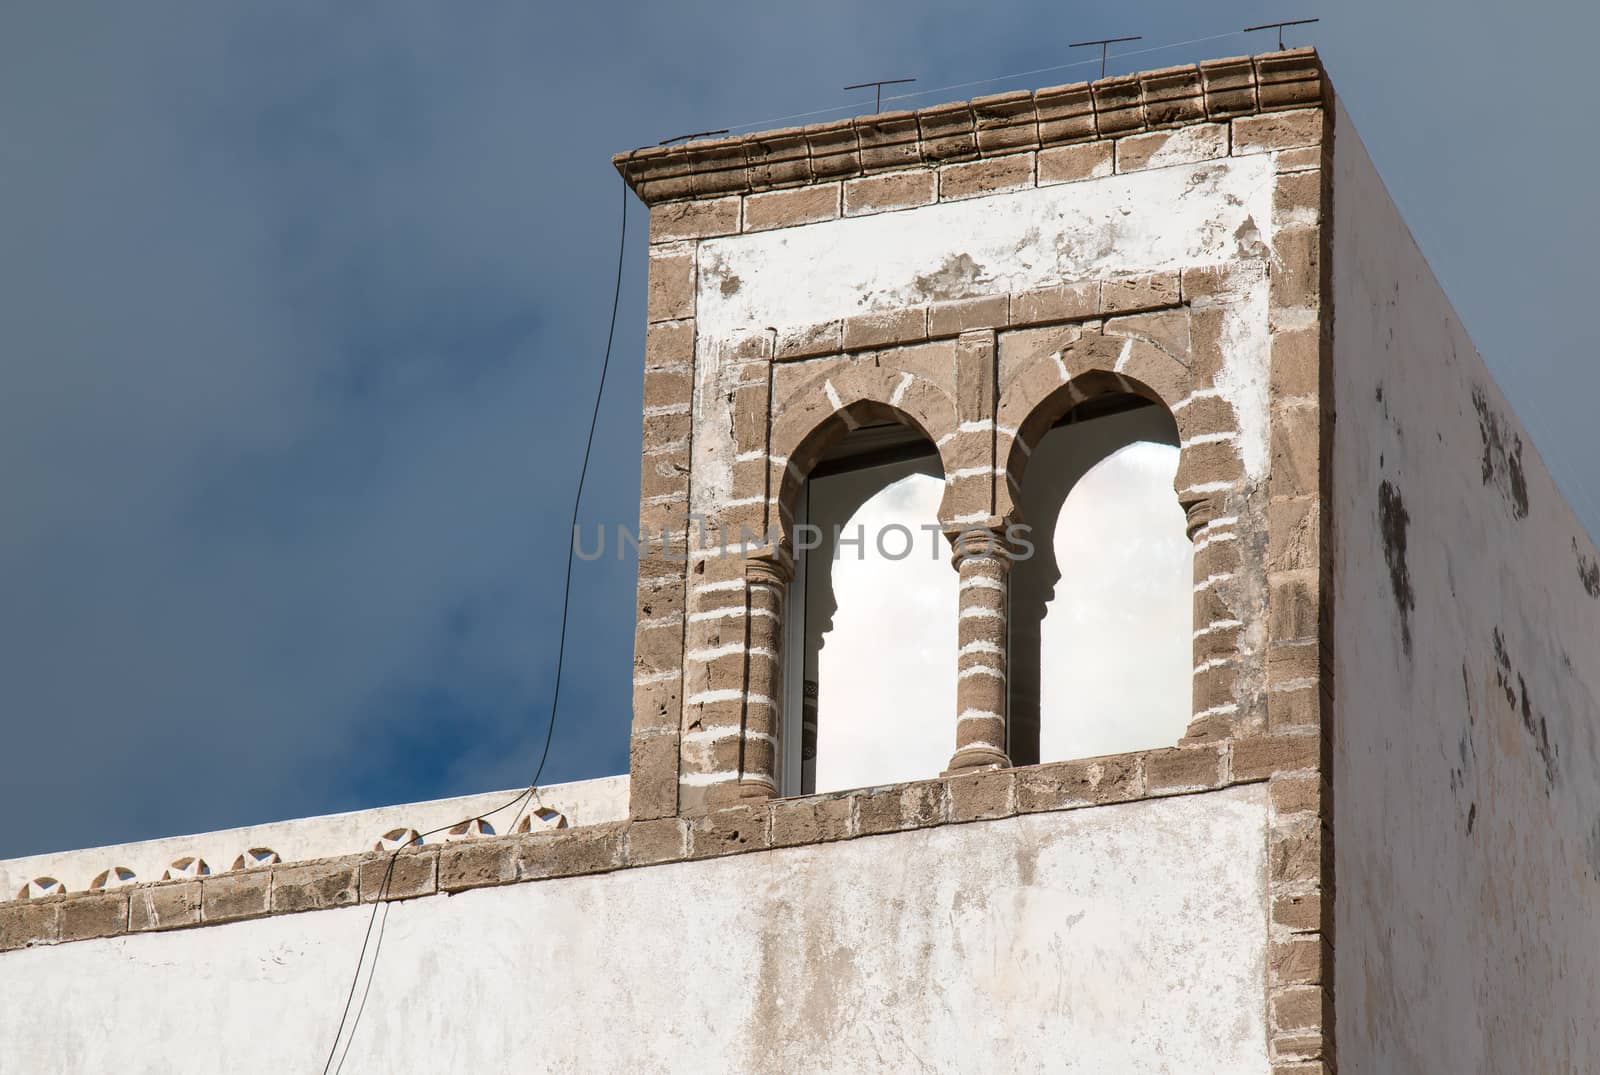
column 581, row 802
column 288, row 888
column 991, row 126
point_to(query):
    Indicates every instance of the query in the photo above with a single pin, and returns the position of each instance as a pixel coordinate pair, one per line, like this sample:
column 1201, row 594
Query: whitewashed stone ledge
column 583, row 802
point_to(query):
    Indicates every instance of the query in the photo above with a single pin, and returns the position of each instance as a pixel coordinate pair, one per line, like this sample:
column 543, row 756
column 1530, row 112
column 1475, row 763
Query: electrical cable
column 521, row 799
column 985, row 81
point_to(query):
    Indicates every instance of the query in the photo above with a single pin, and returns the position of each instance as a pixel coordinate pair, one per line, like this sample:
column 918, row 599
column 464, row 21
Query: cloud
column 302, row 310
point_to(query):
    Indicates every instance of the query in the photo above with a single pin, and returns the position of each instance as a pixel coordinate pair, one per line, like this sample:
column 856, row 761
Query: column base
column 736, row 792
column 969, row 761
column 753, row 791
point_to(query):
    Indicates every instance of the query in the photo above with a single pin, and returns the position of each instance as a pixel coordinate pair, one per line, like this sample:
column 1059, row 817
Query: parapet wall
column 1126, row 937
column 97, row 869
column 480, row 861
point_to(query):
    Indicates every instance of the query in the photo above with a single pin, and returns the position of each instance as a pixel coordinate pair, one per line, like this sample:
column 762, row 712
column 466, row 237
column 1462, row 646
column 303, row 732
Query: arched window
column 1101, row 613
column 872, row 625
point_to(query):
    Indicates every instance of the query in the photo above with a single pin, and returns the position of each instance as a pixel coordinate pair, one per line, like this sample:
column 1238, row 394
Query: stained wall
column 1121, row 938
column 1466, row 765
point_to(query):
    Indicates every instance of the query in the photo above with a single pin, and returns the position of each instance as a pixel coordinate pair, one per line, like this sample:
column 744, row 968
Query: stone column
column 983, row 559
column 767, row 579
column 1218, row 629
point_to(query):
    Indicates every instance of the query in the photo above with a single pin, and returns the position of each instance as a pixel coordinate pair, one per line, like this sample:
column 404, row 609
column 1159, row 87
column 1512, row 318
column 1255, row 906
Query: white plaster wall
column 582, row 802
column 1466, row 770
column 1166, row 219
column 1117, row 939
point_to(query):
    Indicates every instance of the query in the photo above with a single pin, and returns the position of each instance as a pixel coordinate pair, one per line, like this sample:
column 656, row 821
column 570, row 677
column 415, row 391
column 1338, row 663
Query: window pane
column 881, row 627
column 1108, row 592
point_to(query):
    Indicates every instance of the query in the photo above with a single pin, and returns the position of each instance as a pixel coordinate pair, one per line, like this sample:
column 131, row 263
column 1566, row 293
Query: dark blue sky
column 302, row 306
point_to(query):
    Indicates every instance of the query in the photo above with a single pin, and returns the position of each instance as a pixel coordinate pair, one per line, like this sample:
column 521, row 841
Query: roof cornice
column 990, row 126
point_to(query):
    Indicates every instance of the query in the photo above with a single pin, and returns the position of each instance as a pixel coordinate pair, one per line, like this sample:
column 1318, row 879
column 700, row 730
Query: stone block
column 1070, row 163
column 1295, row 280
column 653, row 776
column 728, row 830
column 1296, row 443
column 1299, row 960
column 810, row 820
column 26, row 923
column 1229, row 85
column 1065, row 114
column 948, row 132
column 1296, row 709
column 1297, row 1008
column 888, row 140
column 1181, row 768
column 1288, row 79
column 1258, row 757
column 810, row 341
column 992, row 175
column 1130, row 293
column 171, row 905
column 1273, row 131
column 660, row 840
column 415, row 873
column 883, row 328
column 572, row 852
column 1064, row 302
column 675, row 221
column 670, row 292
column 987, row 793
column 961, row 315
column 1162, row 149
column 1296, row 851
column 478, row 863
column 786, row 208
column 1172, row 95
column 1300, row 912
column 1082, row 782
column 232, row 896
column 669, row 344
column 86, row 915
column 1296, row 363
column 1118, row 105
column 314, row 886
column 895, row 190
column 1006, row 122
column 924, row 803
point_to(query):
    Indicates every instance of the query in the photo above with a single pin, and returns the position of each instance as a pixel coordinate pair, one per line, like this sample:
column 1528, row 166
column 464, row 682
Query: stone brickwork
column 984, row 373
column 975, row 145
column 487, row 861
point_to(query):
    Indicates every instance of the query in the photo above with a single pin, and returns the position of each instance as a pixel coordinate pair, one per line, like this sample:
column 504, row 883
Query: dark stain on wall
column 1465, row 774
column 1502, row 456
column 1521, row 703
column 1592, row 850
column 956, row 277
column 1588, row 571
column 1393, row 520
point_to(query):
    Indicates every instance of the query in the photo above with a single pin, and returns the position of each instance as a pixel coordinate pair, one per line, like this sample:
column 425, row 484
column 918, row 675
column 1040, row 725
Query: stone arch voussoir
column 1052, row 383
column 823, row 411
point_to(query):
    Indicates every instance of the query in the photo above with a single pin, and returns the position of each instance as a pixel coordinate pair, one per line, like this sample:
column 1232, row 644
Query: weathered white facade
column 1050, row 943
column 1466, row 768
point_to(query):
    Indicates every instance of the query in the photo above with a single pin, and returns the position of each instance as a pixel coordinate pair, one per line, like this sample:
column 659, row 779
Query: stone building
column 1350, row 822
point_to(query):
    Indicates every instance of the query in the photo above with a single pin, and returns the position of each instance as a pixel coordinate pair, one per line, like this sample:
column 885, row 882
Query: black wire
column 550, row 728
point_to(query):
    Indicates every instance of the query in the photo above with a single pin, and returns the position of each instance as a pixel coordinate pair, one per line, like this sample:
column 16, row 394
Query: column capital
column 989, row 538
column 1198, row 512
column 770, row 564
